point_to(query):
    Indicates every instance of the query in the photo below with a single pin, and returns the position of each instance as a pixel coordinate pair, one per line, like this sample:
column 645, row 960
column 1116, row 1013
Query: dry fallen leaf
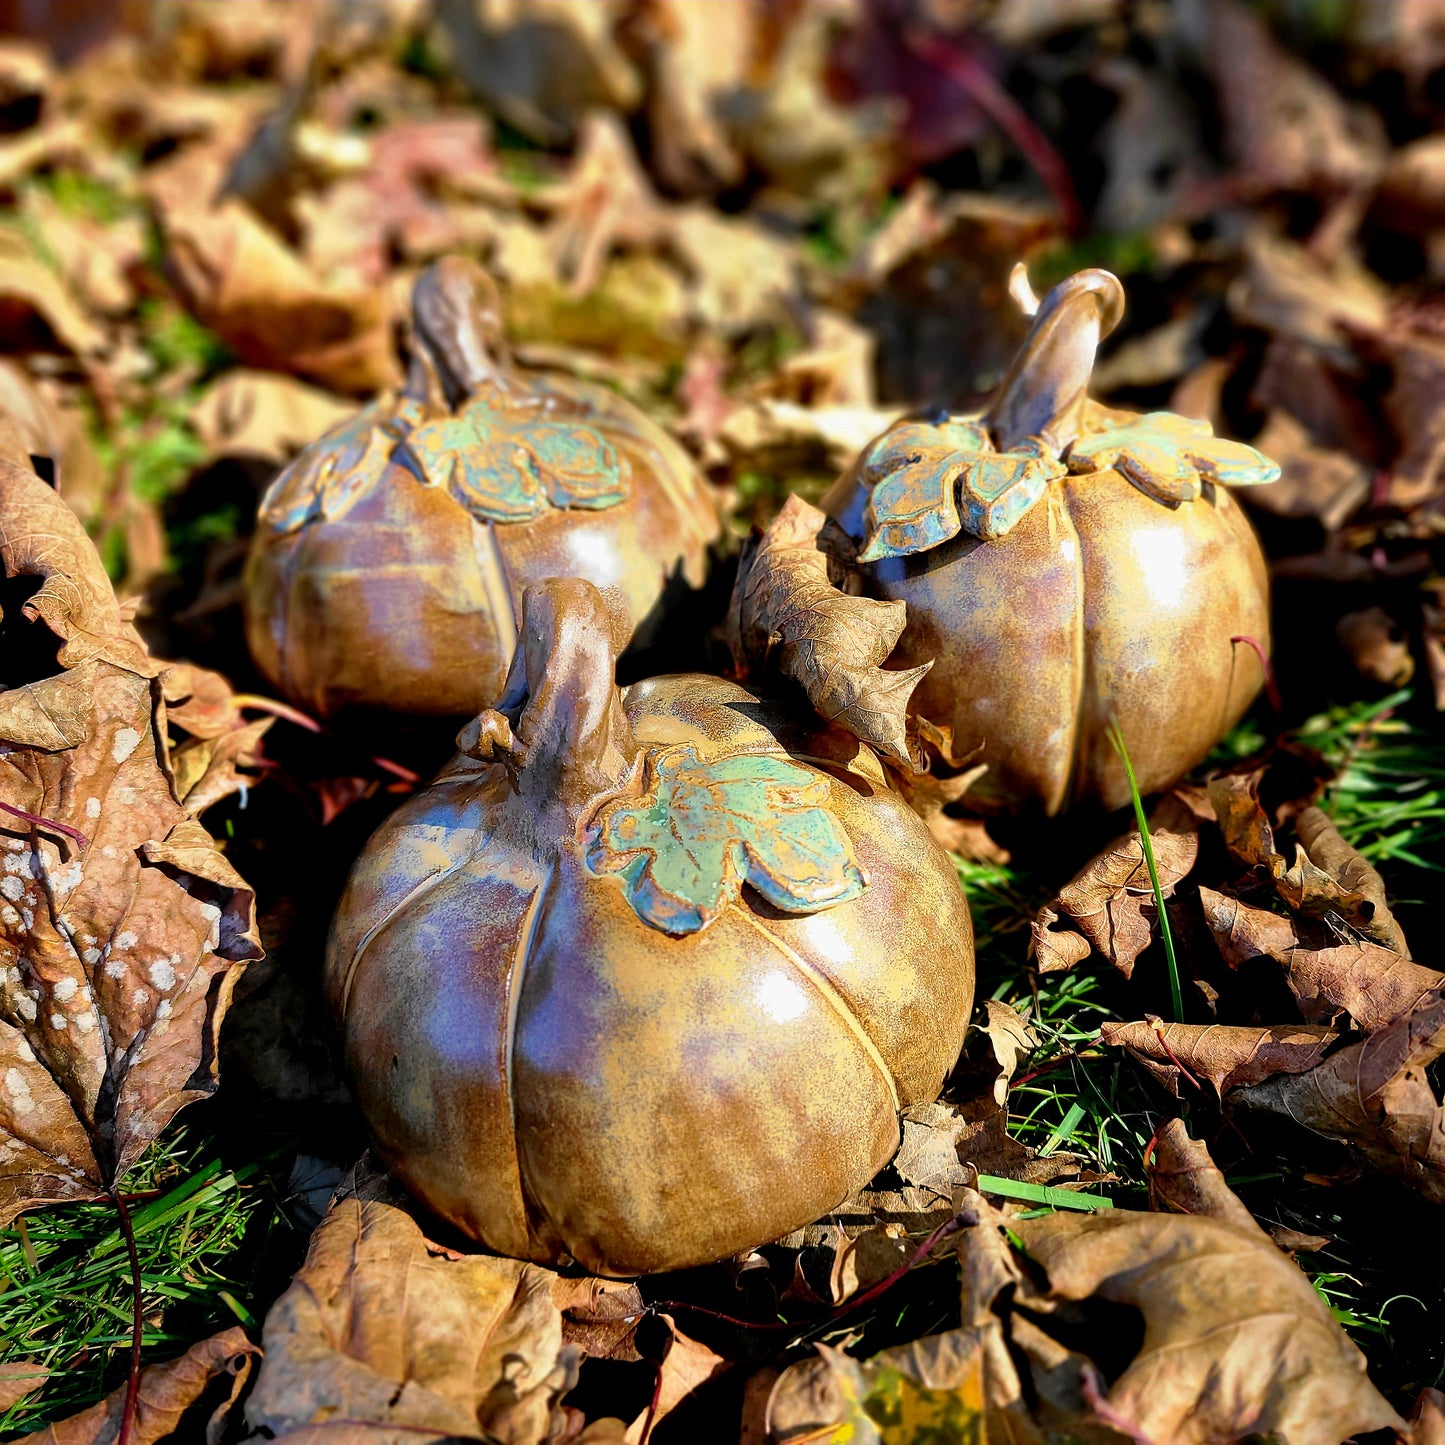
column 788, row 615
column 1236, row 1341
column 383, row 1330
column 259, row 413
column 1377, row 1096
column 1185, row 1178
column 1376, row 646
column 1328, row 850
column 1374, row 985
column 121, row 923
column 258, row 296
column 1110, row 900
column 1314, row 481
column 167, row 1393
column 1229, row 1056
column 1010, row 1039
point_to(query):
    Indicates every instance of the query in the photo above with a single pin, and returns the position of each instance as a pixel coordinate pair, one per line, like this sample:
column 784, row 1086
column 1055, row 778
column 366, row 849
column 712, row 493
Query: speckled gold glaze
column 1100, row 601
column 371, row 584
column 560, row 1079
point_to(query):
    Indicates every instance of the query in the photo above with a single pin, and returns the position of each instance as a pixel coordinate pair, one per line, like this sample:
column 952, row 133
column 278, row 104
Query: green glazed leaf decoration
column 701, row 830
column 931, row 482
column 514, row 463
column 1167, row 457
column 335, row 471
column 913, row 471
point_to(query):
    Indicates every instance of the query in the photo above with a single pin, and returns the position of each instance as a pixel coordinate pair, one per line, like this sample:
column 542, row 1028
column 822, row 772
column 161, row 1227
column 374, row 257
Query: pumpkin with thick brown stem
column 644, row 978
column 1064, row 565
column 389, row 559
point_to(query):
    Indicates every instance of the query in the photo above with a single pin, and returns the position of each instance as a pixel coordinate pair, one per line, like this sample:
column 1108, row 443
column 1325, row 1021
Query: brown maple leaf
column 1376, row 1096
column 1228, row 1056
column 1374, row 985
column 1110, row 900
column 787, row 614
column 1236, row 1341
column 168, row 1394
column 120, row 921
column 381, row 1329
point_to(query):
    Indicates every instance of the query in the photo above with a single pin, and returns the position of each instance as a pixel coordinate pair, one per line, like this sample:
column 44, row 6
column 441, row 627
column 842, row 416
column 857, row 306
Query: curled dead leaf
column 1374, row 985
column 168, row 1395
column 1228, row 1056
column 1376, row 1096
column 120, row 951
column 381, row 1330
column 788, row 615
column 1236, row 1341
column 1110, row 900
column 1184, row 1177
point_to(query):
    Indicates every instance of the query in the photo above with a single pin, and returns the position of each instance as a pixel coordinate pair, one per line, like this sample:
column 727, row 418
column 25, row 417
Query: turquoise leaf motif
column 931, row 482
column 337, row 469
column 1168, row 457
column 701, row 830
column 513, row 464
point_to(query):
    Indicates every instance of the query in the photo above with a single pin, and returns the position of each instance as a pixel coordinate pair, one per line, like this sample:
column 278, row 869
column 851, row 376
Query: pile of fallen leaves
column 776, row 226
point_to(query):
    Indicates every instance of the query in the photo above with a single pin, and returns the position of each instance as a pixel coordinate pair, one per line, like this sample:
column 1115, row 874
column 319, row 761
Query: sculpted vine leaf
column 786, row 613
column 120, row 922
column 702, row 830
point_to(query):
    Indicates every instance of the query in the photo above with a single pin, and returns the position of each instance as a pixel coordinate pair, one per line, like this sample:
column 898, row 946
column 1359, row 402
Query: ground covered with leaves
column 1185, row 1182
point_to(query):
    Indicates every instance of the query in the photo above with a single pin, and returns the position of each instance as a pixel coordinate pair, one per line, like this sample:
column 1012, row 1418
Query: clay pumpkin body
column 390, row 558
column 574, row 1032
column 1064, row 564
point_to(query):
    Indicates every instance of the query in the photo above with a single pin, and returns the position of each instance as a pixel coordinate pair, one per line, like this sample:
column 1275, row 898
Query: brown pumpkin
column 575, row 1033
column 389, row 559
column 1065, row 565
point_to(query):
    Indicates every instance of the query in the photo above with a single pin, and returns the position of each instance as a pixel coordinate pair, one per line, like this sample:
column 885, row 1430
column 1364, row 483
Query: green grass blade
column 1042, row 1194
column 1116, row 737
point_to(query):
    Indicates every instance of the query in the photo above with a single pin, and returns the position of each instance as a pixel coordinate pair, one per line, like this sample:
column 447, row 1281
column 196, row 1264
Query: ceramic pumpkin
column 644, row 978
column 1064, row 564
column 389, row 559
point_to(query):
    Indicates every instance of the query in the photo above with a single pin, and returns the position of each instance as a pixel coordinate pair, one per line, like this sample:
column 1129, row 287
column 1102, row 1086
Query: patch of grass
column 176, row 341
column 1389, row 798
column 65, row 1284
column 84, row 196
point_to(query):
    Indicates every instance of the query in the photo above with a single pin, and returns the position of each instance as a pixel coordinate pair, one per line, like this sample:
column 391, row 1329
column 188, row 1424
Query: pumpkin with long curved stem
column 644, row 978
column 389, row 559
column 1065, row 564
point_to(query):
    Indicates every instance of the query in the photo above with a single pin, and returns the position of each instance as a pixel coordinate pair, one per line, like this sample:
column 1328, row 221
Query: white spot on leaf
column 126, row 741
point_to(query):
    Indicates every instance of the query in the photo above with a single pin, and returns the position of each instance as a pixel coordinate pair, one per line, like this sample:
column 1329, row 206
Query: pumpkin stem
column 1047, row 385
column 559, row 720
column 457, row 321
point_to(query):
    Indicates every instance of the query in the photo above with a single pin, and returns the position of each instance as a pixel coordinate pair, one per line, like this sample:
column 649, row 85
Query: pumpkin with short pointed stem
column 389, row 559
column 1064, row 565
column 644, row 978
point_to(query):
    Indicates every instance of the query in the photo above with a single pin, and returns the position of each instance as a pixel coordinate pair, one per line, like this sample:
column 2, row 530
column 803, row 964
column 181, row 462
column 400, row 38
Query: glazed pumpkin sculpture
column 644, row 978
column 389, row 559
column 1064, row 564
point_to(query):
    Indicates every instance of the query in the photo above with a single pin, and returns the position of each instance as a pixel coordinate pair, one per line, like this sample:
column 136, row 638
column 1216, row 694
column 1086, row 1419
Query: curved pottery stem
column 457, row 319
column 1047, row 385
column 559, row 725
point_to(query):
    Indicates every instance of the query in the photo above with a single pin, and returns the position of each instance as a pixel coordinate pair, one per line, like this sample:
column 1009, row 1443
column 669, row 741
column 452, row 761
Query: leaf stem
column 36, row 821
column 1116, row 737
column 137, row 1325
